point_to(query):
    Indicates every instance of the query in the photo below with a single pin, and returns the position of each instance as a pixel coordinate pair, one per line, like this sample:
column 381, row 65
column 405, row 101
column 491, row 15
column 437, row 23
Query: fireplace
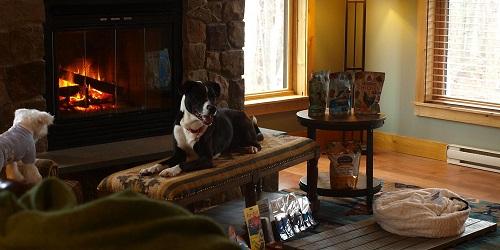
column 211, row 49
column 113, row 68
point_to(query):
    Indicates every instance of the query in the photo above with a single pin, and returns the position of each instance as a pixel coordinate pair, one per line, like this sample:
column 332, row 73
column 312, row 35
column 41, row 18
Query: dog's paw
column 33, row 177
column 18, row 179
column 253, row 150
column 248, row 150
column 173, row 171
column 152, row 170
column 12, row 172
column 30, row 173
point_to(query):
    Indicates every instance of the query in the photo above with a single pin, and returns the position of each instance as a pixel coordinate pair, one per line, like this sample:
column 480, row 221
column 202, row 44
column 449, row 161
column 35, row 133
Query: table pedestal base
column 324, row 189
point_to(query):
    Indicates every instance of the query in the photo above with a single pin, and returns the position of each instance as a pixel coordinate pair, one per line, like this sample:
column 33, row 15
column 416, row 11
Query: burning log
column 69, row 91
column 100, row 101
column 96, row 84
column 91, row 101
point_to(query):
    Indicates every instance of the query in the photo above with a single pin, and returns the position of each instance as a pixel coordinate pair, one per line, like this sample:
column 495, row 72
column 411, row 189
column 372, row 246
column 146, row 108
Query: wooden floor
column 423, row 172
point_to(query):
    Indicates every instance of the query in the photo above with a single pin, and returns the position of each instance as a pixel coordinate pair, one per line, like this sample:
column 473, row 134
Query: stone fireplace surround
column 213, row 37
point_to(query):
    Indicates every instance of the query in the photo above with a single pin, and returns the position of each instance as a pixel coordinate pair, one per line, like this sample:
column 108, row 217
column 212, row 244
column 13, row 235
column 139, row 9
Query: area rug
column 335, row 212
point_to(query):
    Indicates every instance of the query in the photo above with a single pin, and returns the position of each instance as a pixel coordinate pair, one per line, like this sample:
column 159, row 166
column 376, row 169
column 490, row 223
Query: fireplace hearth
column 113, row 68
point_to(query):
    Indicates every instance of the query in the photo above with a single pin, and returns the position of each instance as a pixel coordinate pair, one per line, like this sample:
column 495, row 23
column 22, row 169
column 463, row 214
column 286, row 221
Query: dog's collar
column 195, row 131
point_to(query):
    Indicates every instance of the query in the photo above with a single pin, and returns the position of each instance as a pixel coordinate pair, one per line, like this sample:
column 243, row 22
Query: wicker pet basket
column 430, row 212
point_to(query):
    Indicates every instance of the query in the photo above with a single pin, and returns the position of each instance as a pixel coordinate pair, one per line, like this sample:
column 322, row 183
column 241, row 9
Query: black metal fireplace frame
column 62, row 15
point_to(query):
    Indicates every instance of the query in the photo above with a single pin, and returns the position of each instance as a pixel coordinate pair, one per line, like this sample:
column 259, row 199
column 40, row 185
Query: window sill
column 276, row 104
column 458, row 114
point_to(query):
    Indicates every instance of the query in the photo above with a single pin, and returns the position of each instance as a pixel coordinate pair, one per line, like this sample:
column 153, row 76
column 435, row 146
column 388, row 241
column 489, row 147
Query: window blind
column 463, row 53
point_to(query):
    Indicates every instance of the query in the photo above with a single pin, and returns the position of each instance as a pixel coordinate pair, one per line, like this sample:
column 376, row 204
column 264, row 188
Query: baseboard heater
column 473, row 157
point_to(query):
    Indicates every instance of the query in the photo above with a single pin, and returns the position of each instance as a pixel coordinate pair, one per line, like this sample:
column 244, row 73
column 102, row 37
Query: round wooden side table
column 320, row 185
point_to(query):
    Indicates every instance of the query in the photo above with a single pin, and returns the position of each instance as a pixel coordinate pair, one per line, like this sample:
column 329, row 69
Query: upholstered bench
column 279, row 151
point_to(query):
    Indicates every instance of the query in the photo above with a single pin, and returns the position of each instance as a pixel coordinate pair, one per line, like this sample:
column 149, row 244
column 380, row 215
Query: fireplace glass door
column 112, row 70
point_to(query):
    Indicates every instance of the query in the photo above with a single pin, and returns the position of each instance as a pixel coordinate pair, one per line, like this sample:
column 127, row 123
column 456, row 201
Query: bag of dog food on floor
column 344, row 164
column 291, row 215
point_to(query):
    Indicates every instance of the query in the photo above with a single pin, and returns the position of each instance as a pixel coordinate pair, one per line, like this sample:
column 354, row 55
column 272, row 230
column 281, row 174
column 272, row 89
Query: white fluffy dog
column 17, row 145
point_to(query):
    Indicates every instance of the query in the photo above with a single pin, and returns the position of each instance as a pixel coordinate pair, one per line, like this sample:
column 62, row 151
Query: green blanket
column 47, row 217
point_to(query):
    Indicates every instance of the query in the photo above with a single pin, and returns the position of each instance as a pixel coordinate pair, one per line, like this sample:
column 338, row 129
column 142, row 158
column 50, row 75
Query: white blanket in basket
column 430, row 212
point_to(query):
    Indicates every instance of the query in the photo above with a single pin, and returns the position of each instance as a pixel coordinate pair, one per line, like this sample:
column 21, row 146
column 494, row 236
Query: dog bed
column 279, row 151
column 430, row 212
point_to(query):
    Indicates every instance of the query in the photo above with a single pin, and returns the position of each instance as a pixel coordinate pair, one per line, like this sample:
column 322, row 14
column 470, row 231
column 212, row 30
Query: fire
column 63, row 83
column 76, row 90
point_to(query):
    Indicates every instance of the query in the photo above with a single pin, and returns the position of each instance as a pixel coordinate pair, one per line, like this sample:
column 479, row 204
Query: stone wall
column 22, row 67
column 213, row 46
column 213, row 37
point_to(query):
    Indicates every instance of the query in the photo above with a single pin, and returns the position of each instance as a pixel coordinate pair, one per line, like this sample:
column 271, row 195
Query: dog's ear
column 19, row 115
column 48, row 118
column 187, row 86
column 45, row 118
column 214, row 86
column 20, row 111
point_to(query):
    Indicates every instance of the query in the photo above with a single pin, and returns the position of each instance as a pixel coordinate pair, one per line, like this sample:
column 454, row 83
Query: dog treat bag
column 254, row 226
column 367, row 90
column 291, row 215
column 344, row 164
column 317, row 86
column 339, row 94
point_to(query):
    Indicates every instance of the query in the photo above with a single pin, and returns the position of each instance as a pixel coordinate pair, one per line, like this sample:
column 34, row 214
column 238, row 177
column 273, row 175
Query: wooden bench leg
column 258, row 188
column 270, row 183
column 312, row 183
column 250, row 194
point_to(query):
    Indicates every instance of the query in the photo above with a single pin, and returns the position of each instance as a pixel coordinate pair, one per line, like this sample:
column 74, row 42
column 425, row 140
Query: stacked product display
column 342, row 92
column 345, row 94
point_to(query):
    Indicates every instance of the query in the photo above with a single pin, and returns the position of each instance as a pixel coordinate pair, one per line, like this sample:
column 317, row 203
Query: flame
column 94, row 108
column 63, row 83
column 81, row 101
column 96, row 94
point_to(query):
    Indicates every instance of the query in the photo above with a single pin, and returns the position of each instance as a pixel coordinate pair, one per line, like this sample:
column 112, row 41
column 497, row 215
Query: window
column 265, row 46
column 461, row 61
column 275, row 48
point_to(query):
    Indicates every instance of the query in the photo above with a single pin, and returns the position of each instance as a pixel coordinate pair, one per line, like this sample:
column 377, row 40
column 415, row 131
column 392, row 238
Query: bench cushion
column 278, row 152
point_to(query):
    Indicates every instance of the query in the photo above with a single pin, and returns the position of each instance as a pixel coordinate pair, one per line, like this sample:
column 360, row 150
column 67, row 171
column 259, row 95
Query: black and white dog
column 202, row 132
